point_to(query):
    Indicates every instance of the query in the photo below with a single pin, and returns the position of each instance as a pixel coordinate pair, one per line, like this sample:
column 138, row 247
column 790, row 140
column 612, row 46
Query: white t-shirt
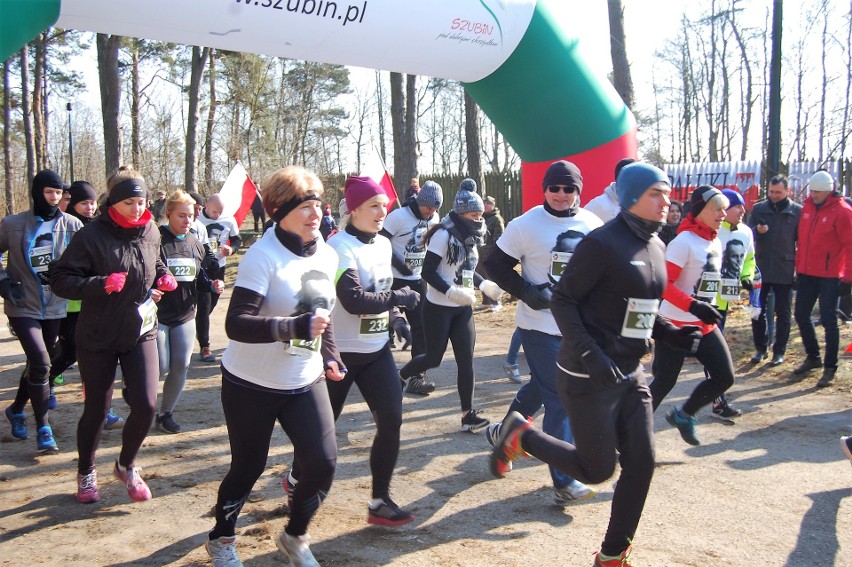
column 459, row 273
column 543, row 243
column 200, row 231
column 372, row 263
column 701, row 277
column 407, row 232
column 605, row 206
column 737, row 246
column 41, row 249
column 219, row 232
column 291, row 285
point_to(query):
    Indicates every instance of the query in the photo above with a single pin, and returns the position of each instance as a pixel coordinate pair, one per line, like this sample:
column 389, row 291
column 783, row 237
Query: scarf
column 642, row 228
column 127, row 223
column 468, row 232
column 692, row 224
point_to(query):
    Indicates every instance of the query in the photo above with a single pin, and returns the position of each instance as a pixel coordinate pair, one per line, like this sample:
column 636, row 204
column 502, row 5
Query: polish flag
column 237, row 194
column 374, row 168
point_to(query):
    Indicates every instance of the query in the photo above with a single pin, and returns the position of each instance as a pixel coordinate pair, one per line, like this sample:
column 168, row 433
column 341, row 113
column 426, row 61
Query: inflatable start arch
column 516, row 60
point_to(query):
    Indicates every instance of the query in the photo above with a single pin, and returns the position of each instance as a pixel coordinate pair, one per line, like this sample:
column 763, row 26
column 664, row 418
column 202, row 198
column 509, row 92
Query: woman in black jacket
column 115, row 268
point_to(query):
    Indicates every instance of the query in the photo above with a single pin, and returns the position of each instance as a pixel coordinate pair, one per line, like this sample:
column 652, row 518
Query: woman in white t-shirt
column 449, row 269
column 280, row 353
column 693, row 264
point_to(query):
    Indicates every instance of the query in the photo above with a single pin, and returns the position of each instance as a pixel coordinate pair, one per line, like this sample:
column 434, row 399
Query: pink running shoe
column 87, row 487
column 136, row 487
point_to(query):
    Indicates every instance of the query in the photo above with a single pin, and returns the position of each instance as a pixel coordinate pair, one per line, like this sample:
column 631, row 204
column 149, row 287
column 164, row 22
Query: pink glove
column 167, row 283
column 115, row 282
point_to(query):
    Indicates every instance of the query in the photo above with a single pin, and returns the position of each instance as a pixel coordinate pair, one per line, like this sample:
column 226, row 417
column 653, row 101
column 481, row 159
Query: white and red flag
column 374, row 168
column 237, row 194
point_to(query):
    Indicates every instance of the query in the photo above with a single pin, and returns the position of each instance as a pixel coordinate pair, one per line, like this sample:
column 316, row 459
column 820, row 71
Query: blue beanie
column 734, row 197
column 634, row 179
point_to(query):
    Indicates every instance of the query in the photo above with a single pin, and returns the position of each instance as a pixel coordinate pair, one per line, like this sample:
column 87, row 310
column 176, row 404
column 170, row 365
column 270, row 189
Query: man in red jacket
column 823, row 260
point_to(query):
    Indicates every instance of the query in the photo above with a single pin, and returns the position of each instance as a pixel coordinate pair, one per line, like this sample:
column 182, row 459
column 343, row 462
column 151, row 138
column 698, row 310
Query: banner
column 237, row 194
column 742, row 176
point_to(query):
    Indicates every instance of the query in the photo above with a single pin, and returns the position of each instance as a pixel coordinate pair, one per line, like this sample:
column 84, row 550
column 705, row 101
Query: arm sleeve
column 234, row 239
column 328, row 348
column 430, row 272
column 397, row 261
column 844, row 233
column 356, row 300
column 501, row 267
column 69, row 275
column 586, row 268
column 242, row 322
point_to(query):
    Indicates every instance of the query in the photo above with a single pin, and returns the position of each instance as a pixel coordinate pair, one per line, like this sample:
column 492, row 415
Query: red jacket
column 825, row 239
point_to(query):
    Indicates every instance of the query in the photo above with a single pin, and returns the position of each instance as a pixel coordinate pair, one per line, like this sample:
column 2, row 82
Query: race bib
column 414, row 261
column 730, row 289
column 183, row 269
column 303, row 348
column 558, row 261
column 639, row 318
column 708, row 286
column 148, row 312
column 40, row 257
column 373, row 325
column 467, row 279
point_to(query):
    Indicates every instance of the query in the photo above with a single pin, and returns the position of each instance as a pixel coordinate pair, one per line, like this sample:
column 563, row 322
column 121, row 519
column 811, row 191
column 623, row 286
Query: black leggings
column 376, row 376
column 453, row 324
column 140, row 367
column 37, row 337
column 250, row 416
column 66, row 348
column 207, row 301
column 603, row 421
column 712, row 352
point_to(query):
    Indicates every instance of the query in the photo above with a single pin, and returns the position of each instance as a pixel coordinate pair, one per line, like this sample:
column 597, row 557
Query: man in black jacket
column 606, row 306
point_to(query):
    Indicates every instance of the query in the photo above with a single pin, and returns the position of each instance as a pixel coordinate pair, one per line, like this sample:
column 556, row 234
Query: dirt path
column 771, row 490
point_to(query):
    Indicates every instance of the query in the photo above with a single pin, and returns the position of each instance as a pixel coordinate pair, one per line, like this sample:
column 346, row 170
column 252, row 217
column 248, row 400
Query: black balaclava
column 41, row 208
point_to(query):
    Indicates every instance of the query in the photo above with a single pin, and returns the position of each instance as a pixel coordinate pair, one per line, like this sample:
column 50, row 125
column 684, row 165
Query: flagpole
column 385, row 168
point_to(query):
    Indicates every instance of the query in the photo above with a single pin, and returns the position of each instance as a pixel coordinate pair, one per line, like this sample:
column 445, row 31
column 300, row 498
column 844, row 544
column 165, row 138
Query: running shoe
column 59, row 380
column 419, row 385
column 112, row 421
column 724, row 411
column 827, row 377
column 223, row 551
column 846, row 447
column 18, row 421
column 51, row 400
column 685, row 424
column 167, row 423
column 620, row 561
column 492, row 434
column 808, row 365
column 137, row 489
column 45, row 441
column 388, row 514
column 206, row 355
column 297, row 549
column 575, row 491
column 473, row 422
column 508, row 446
column 513, row 372
column 87, row 487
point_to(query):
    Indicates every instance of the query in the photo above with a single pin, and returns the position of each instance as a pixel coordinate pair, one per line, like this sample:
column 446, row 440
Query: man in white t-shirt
column 605, row 205
column 542, row 240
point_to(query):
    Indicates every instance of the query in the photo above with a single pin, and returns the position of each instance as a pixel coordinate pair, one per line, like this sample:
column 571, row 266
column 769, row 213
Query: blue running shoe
column 46, row 442
column 113, row 421
column 685, row 424
column 51, row 400
column 18, row 421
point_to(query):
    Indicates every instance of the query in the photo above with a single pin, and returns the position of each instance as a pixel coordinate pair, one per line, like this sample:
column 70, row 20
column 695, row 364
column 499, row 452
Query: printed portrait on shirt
column 317, row 291
column 733, row 258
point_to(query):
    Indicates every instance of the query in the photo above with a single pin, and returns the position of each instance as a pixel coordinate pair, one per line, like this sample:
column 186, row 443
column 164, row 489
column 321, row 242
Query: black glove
column 406, row 297
column 685, row 338
column 706, row 312
column 602, row 370
column 537, row 298
column 747, row 284
column 11, row 291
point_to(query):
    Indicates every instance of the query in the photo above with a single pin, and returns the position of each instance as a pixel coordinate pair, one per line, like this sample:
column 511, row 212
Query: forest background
column 695, row 74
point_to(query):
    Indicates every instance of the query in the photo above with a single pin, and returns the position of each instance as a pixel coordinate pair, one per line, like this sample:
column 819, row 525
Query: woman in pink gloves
column 114, row 266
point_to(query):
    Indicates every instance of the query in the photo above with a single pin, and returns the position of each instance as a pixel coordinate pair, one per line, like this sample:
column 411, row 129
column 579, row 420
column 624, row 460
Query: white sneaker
column 573, row 492
column 296, row 548
column 513, row 372
column 223, row 552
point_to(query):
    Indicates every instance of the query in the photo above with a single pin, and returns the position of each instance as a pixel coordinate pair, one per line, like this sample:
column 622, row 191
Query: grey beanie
column 468, row 184
column 430, row 195
column 467, row 202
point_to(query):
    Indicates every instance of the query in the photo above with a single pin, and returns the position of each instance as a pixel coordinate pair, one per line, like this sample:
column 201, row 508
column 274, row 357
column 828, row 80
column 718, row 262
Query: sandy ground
column 771, row 490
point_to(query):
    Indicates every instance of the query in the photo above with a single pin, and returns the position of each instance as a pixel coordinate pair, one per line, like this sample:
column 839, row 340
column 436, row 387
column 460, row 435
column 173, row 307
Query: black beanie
column 45, row 178
column 563, row 173
column 81, row 191
column 699, row 198
column 199, row 200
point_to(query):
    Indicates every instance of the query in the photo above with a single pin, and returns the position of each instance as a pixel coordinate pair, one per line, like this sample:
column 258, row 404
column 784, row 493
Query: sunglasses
column 564, row 188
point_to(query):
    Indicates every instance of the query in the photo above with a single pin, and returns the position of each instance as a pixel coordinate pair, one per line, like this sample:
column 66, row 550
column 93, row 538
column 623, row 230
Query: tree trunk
column 618, row 50
column 39, row 104
column 398, row 128
column 110, row 99
column 7, row 140
column 211, row 121
column 135, row 144
column 199, row 58
column 380, row 103
column 473, row 142
column 26, row 110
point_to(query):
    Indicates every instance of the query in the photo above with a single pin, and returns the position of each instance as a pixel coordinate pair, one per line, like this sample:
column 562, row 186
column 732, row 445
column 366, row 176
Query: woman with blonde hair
column 281, row 352
column 114, row 266
column 183, row 254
